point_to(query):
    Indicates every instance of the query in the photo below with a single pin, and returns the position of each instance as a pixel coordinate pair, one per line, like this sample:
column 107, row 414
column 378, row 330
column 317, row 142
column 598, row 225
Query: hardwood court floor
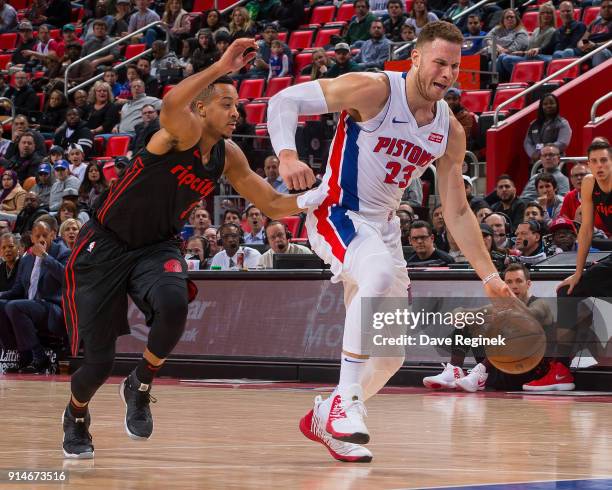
column 210, row 438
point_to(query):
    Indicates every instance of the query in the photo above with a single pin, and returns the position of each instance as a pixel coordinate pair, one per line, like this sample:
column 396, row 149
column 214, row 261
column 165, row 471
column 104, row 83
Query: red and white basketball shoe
column 346, row 413
column 558, row 378
column 312, row 426
column 474, row 381
column 447, row 379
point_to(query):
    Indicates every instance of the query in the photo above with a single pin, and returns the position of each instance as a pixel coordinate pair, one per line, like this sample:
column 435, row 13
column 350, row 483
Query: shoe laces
column 79, row 429
column 355, row 407
column 143, row 398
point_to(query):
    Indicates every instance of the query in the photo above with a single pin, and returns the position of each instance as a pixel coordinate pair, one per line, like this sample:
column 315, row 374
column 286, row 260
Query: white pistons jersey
column 371, row 163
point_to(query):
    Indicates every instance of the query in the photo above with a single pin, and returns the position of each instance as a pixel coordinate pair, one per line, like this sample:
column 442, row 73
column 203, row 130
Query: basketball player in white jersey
column 392, row 125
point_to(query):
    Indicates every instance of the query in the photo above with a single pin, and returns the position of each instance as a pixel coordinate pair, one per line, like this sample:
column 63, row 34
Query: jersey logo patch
column 91, row 246
column 173, row 265
column 436, row 138
column 395, row 121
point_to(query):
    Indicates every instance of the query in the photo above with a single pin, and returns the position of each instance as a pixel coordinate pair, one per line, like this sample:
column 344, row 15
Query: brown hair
column 517, row 267
column 439, row 30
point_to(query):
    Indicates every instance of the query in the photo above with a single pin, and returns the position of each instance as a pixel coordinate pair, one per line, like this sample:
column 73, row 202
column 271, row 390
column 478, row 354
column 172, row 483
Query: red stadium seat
column 77, row 14
column 524, row 73
column 167, row 89
column 345, row 12
column 590, row 14
column 282, row 36
column 251, row 88
column 302, row 79
column 300, row 61
column 300, row 39
column 275, row 85
column 256, row 112
column 476, row 100
column 263, row 142
column 504, row 94
column 322, row 14
column 41, row 101
column 109, row 171
column 292, row 223
column 8, row 41
column 117, row 146
column 556, row 65
column 203, row 5
column 134, row 49
column 530, row 20
column 48, row 144
column 20, row 4
column 324, row 37
column 56, row 34
column 4, row 60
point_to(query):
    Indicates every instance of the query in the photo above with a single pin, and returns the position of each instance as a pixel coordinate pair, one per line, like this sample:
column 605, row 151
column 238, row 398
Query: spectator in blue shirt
column 473, row 46
column 375, row 51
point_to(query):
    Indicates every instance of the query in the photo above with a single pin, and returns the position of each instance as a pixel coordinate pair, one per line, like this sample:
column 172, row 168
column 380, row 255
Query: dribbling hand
column 237, row 56
column 296, row 174
column 497, row 288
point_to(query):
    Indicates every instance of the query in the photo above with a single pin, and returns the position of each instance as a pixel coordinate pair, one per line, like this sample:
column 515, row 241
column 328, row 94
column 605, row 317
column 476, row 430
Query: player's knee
column 380, row 283
column 170, row 304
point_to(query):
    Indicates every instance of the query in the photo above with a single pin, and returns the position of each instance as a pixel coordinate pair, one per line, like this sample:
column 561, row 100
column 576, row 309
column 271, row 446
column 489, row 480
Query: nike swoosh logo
column 559, row 378
column 395, row 121
column 356, row 362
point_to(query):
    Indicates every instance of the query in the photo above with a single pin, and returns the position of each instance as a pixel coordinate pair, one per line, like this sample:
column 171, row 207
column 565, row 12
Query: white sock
column 351, row 371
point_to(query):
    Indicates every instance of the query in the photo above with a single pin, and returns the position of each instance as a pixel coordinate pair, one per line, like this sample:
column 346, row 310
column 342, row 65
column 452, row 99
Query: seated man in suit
column 33, row 304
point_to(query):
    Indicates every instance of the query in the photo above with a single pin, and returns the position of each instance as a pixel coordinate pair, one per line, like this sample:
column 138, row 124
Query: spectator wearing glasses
column 551, row 157
column 549, row 127
column 277, row 235
column 144, row 130
column 420, row 16
column 425, row 252
column 227, row 259
column 256, row 221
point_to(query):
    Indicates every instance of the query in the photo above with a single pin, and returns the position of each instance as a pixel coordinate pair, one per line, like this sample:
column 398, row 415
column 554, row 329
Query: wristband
column 489, row 278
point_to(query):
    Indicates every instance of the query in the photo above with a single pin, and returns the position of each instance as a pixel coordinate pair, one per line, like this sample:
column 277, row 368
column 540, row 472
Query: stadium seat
column 322, row 14
column 277, row 84
column 476, row 100
column 203, row 5
column 99, row 143
column 590, row 14
column 251, row 88
column 4, row 60
column 302, row 79
column 41, row 101
column 345, row 12
column 117, row 146
column 530, row 20
column 77, row 14
column 324, row 37
column 263, row 142
column 300, row 39
column 504, row 94
column 556, row 65
column 8, row 41
column 558, row 21
column 134, row 49
column 256, row 112
column 167, row 89
column 525, row 73
column 109, row 171
column 56, row 34
column 20, row 4
column 282, row 36
column 292, row 223
column 300, row 61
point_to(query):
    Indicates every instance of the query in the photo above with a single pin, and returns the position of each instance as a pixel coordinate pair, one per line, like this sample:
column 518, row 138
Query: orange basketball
column 29, row 183
column 524, row 338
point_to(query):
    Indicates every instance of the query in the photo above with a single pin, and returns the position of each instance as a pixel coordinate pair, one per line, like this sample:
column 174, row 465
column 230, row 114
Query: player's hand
column 570, row 281
column 236, row 56
column 497, row 288
column 296, row 174
column 39, row 249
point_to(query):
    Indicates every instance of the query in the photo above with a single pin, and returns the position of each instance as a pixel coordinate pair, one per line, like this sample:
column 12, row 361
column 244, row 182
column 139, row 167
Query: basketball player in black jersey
column 596, row 281
column 129, row 247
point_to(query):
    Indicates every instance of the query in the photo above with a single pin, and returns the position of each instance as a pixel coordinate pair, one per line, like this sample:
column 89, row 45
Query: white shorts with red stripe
column 335, row 235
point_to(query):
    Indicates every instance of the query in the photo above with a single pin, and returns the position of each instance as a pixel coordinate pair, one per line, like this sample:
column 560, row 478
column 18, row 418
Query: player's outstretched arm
column 255, row 189
column 363, row 94
column 585, row 235
column 176, row 116
column 458, row 216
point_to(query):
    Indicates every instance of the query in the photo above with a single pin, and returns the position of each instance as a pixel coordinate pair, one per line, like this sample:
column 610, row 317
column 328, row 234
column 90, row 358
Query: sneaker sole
column 85, row 455
column 434, row 385
column 130, row 434
column 556, row 387
column 305, row 429
column 359, row 438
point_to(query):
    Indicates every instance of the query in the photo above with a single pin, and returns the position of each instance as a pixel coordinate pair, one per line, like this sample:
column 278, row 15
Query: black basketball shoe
column 137, row 397
column 77, row 439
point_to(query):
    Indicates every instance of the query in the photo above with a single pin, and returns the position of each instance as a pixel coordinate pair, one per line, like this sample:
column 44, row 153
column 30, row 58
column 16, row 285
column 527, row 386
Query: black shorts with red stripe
column 99, row 276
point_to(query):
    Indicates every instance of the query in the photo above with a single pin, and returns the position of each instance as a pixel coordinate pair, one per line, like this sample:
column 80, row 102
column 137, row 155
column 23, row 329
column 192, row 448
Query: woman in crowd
column 213, row 20
column 549, row 127
column 12, row 198
column 79, row 101
column 206, row 53
column 537, row 40
column 319, row 66
column 104, row 113
column 420, row 15
column 54, row 112
column 69, row 230
column 177, row 22
column 94, row 184
column 508, row 36
column 188, row 46
column 241, row 24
